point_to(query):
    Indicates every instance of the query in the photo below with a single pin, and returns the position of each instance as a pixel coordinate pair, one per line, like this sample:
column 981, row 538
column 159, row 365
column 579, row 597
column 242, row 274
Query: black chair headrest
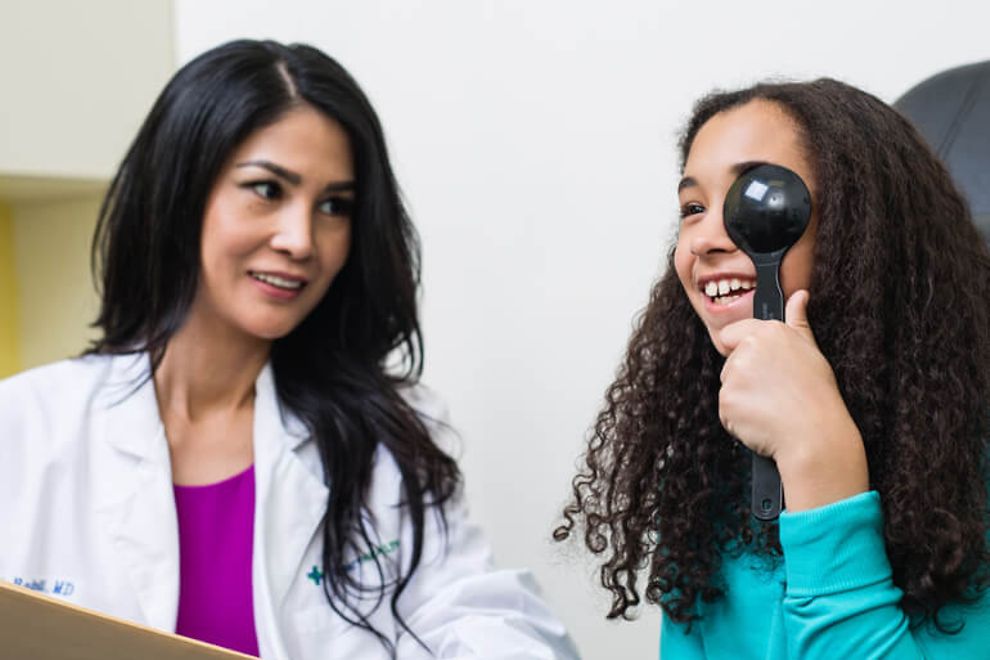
column 952, row 110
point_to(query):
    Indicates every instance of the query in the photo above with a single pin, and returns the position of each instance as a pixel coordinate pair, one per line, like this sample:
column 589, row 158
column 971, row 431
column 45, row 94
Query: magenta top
column 216, row 532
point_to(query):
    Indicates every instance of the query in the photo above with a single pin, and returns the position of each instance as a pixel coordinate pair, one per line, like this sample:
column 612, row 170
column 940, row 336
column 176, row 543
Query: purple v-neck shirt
column 216, row 532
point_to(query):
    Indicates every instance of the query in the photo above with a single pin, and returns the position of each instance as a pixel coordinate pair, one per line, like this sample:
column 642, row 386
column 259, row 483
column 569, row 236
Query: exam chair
column 952, row 111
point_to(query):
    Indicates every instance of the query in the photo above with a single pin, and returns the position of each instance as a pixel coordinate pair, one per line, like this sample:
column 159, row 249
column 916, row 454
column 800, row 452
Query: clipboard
column 38, row 627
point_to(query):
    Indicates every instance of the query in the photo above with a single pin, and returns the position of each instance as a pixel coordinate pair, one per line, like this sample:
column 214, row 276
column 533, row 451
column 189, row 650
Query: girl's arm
column 840, row 599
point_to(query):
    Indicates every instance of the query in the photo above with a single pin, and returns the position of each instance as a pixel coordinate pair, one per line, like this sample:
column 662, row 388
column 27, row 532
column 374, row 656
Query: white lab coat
column 87, row 514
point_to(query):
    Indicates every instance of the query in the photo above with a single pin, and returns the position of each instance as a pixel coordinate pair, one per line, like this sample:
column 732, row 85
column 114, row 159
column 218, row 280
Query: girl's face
column 277, row 227
column 706, row 260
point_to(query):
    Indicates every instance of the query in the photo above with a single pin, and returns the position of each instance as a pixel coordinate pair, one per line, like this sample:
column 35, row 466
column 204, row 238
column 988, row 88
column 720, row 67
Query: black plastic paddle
column 766, row 211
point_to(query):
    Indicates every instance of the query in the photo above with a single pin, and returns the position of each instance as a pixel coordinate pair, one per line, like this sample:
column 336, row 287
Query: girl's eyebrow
column 686, row 182
column 737, row 170
column 295, row 178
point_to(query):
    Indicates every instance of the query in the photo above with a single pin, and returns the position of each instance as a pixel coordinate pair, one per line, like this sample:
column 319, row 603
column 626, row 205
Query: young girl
column 232, row 460
column 873, row 399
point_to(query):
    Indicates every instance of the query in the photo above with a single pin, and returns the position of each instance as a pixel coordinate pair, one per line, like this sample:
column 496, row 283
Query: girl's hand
column 779, row 397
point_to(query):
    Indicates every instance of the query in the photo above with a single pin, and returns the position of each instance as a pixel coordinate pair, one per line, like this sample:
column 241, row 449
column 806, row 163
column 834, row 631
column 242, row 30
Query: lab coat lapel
column 138, row 503
column 291, row 495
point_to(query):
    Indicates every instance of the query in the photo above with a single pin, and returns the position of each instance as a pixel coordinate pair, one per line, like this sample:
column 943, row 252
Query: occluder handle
column 768, row 495
column 768, row 305
column 768, row 301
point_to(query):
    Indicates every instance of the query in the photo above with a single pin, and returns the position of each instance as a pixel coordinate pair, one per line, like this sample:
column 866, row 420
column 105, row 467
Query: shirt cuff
column 837, row 547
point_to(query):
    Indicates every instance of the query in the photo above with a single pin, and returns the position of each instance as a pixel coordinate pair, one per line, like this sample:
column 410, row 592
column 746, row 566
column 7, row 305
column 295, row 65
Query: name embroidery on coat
column 42, row 585
column 316, row 574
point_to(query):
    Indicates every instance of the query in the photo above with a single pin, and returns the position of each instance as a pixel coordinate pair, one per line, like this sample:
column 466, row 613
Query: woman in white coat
column 233, row 460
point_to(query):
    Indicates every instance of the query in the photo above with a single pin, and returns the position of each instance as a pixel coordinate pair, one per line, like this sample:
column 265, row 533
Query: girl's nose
column 710, row 236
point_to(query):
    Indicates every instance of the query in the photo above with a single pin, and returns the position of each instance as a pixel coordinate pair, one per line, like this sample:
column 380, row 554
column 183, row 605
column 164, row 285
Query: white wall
column 535, row 142
column 76, row 79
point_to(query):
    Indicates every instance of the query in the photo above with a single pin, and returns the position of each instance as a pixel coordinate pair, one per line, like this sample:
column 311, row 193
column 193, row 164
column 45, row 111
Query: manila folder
column 37, row 627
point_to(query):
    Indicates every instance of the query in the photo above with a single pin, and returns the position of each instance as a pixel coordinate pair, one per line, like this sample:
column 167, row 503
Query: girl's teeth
column 719, row 290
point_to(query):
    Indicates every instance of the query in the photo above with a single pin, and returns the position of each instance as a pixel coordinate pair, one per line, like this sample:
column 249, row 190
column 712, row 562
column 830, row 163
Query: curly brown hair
column 899, row 308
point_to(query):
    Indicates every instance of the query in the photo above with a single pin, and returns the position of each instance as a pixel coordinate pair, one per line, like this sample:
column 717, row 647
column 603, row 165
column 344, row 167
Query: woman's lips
column 279, row 287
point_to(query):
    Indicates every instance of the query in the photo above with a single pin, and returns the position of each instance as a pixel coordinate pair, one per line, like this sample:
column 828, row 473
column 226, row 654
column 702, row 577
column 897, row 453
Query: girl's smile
column 719, row 278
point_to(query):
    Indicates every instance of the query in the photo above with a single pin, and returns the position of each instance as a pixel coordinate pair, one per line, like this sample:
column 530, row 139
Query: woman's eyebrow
column 294, row 178
column 340, row 186
column 686, row 182
column 279, row 171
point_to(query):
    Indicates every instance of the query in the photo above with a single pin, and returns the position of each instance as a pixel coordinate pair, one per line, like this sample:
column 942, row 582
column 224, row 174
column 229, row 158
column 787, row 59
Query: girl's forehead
column 758, row 131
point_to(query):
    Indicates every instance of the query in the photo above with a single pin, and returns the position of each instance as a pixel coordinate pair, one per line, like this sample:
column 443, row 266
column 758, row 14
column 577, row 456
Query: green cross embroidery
column 315, row 575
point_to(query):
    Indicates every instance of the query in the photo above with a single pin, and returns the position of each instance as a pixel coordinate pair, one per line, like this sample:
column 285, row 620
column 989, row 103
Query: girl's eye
column 337, row 206
column 266, row 189
column 691, row 208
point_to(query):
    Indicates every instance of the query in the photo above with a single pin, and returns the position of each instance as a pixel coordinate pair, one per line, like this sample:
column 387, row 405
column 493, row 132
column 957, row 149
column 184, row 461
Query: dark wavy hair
column 899, row 308
column 331, row 371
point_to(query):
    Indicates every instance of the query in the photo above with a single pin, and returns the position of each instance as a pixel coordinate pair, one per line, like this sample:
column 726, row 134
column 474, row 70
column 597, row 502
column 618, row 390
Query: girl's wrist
column 829, row 467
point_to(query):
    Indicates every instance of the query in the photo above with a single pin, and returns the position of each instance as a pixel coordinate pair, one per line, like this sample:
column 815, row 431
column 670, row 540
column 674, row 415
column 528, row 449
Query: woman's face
column 277, row 227
column 706, row 259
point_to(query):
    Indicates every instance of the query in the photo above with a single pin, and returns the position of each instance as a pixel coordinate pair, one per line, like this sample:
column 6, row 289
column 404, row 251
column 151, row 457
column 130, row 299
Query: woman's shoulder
column 43, row 410
column 424, row 400
column 55, row 375
column 435, row 415
column 60, row 384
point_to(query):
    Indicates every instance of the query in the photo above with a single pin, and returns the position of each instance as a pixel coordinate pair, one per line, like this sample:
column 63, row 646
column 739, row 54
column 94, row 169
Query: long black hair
column 898, row 304
column 331, row 370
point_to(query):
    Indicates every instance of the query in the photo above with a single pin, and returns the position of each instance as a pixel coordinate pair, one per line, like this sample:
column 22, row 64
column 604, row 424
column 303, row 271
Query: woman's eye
column 266, row 189
column 337, row 206
column 690, row 209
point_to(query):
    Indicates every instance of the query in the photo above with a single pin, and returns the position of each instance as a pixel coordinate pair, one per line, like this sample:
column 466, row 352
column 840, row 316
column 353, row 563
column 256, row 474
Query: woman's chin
column 269, row 330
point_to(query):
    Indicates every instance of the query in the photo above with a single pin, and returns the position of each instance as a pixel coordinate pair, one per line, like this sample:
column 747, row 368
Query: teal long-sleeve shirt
column 832, row 597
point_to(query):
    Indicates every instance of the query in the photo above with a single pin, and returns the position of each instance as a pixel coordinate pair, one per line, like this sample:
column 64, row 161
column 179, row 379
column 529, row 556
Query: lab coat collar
column 290, row 496
column 130, row 395
column 138, row 503
column 128, row 398
column 293, row 430
column 290, row 500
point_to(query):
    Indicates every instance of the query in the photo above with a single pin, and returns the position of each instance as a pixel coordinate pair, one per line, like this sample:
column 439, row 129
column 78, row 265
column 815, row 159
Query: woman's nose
column 294, row 233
